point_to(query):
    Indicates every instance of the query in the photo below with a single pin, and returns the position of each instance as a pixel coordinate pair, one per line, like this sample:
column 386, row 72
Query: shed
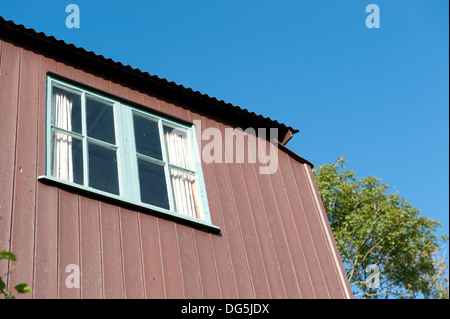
column 119, row 184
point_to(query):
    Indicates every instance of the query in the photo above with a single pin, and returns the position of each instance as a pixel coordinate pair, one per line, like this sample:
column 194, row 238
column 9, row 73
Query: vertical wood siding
column 273, row 241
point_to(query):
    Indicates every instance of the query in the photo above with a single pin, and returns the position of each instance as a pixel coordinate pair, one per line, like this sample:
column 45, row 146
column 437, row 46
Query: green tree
column 377, row 229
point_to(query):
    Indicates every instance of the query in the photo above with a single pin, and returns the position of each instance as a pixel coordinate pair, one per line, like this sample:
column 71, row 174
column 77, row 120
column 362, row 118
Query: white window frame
column 127, row 158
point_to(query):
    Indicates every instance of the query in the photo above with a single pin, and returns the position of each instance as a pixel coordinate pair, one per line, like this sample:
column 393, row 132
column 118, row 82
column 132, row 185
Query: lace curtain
column 183, row 183
column 62, row 143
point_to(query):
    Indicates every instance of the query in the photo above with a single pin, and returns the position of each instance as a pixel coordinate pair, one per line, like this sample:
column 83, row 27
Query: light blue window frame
column 127, row 156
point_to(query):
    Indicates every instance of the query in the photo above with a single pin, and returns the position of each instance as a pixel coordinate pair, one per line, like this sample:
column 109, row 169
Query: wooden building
column 107, row 190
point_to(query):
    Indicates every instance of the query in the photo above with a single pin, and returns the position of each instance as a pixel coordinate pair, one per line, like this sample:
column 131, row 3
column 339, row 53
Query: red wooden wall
column 275, row 240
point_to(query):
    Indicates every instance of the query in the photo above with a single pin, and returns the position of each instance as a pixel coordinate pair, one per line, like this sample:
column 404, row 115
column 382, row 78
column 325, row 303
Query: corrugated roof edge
column 33, row 38
column 146, row 81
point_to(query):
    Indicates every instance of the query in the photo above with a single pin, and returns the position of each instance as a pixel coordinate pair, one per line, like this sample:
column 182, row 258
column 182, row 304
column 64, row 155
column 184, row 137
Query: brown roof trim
column 141, row 80
column 287, row 137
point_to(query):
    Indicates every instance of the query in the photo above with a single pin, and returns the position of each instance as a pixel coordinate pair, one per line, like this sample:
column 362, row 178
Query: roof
column 140, row 79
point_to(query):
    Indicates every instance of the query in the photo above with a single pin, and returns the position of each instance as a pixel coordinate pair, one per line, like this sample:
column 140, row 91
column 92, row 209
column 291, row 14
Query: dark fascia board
column 294, row 155
column 138, row 79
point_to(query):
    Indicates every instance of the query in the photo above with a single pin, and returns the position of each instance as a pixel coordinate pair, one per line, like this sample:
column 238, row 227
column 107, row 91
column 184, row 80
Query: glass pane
column 185, row 193
column 66, row 109
column 152, row 181
column 67, row 157
column 103, row 169
column 100, row 120
column 146, row 135
column 178, row 149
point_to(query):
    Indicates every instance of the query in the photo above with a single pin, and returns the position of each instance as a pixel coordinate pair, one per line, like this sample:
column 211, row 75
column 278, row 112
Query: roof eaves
column 210, row 104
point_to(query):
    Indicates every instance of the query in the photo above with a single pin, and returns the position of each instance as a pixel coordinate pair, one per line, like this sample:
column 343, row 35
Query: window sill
column 146, row 208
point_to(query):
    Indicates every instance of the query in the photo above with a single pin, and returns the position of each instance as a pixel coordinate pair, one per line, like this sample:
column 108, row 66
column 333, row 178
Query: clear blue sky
column 379, row 97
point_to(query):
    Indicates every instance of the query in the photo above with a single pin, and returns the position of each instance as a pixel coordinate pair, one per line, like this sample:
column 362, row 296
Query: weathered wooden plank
column 69, row 245
column 46, row 248
column 9, row 92
column 131, row 251
column 189, row 263
column 23, row 218
column 90, row 249
column 207, row 266
column 170, row 260
column 266, row 243
column 46, row 234
column 113, row 286
column 151, row 254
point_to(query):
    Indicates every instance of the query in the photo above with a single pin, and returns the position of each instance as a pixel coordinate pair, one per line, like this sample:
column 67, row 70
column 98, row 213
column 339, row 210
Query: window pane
column 147, row 137
column 178, row 149
column 100, row 120
column 152, row 181
column 103, row 169
column 185, row 193
column 66, row 109
column 67, row 158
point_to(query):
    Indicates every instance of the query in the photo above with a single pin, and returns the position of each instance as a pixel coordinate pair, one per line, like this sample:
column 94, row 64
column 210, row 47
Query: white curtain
column 183, row 183
column 62, row 143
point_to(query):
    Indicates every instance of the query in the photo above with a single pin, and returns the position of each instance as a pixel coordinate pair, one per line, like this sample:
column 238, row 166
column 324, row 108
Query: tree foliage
column 22, row 288
column 373, row 226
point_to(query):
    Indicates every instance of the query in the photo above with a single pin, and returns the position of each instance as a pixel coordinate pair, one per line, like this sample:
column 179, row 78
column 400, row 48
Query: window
column 104, row 146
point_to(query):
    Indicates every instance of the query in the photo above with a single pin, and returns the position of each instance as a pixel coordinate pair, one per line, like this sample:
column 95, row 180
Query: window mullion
column 199, row 175
column 98, row 142
column 61, row 130
column 181, row 168
column 85, row 142
column 49, row 141
column 151, row 159
column 127, row 162
column 166, row 166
